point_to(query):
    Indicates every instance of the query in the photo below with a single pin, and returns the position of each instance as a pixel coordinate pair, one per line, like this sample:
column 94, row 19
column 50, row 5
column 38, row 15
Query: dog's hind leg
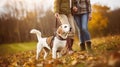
column 46, row 53
column 38, row 51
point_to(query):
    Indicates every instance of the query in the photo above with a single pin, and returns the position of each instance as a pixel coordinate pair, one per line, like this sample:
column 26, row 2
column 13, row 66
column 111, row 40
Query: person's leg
column 84, row 28
column 63, row 19
column 80, row 33
column 85, row 31
column 72, row 33
column 72, row 23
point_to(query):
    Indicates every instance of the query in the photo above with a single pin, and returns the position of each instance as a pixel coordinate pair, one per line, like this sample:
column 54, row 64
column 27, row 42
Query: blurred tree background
column 104, row 21
column 16, row 23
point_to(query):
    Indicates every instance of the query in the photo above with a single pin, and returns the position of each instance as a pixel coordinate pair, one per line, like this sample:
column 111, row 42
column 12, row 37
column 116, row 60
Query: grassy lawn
column 16, row 47
column 103, row 43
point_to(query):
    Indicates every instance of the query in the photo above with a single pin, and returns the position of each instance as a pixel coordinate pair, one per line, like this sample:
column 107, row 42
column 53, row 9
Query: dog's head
column 63, row 30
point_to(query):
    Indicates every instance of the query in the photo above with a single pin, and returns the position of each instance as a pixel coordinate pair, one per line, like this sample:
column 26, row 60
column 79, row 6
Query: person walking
column 82, row 14
column 62, row 11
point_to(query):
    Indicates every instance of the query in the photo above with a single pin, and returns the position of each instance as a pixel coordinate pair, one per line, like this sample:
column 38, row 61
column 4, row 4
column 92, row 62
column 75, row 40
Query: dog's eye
column 65, row 26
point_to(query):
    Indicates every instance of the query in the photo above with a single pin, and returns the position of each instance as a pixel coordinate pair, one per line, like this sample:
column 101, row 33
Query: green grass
column 103, row 43
column 16, row 47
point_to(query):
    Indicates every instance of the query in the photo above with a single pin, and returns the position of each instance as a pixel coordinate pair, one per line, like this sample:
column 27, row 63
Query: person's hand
column 90, row 17
column 56, row 15
column 75, row 9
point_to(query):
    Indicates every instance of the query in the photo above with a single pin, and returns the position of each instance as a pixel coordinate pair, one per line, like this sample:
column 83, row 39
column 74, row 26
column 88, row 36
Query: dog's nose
column 70, row 28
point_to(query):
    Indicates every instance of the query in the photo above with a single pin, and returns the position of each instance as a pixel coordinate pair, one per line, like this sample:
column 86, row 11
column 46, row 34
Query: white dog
column 54, row 43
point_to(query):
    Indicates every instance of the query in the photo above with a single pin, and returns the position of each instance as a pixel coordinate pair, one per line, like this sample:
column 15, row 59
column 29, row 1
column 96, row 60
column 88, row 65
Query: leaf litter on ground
column 106, row 54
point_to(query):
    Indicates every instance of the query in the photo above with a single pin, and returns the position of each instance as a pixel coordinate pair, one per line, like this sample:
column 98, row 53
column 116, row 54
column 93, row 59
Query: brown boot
column 69, row 45
column 82, row 46
column 88, row 45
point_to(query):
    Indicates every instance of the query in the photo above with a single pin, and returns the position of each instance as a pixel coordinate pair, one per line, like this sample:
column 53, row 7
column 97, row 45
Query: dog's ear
column 59, row 30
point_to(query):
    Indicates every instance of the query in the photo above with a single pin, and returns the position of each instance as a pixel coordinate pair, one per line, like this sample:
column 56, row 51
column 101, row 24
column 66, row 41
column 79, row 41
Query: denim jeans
column 82, row 23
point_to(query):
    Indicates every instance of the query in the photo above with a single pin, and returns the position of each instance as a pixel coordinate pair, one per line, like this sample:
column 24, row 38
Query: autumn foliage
column 106, row 54
column 104, row 21
column 99, row 22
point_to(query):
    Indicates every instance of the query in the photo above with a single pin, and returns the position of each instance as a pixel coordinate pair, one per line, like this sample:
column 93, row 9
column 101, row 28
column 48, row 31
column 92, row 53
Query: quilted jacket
column 83, row 6
column 62, row 6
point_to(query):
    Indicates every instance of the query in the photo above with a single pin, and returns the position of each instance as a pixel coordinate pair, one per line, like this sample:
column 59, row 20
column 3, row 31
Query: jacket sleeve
column 89, row 6
column 56, row 6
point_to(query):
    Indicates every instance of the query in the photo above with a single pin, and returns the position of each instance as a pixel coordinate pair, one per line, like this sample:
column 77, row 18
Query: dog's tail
column 37, row 32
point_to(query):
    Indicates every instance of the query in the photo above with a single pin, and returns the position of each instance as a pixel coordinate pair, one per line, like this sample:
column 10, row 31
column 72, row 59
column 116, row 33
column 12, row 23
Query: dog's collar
column 60, row 38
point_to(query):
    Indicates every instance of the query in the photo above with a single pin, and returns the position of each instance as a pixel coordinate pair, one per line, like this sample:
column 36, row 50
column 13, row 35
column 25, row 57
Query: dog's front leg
column 54, row 53
column 58, row 55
